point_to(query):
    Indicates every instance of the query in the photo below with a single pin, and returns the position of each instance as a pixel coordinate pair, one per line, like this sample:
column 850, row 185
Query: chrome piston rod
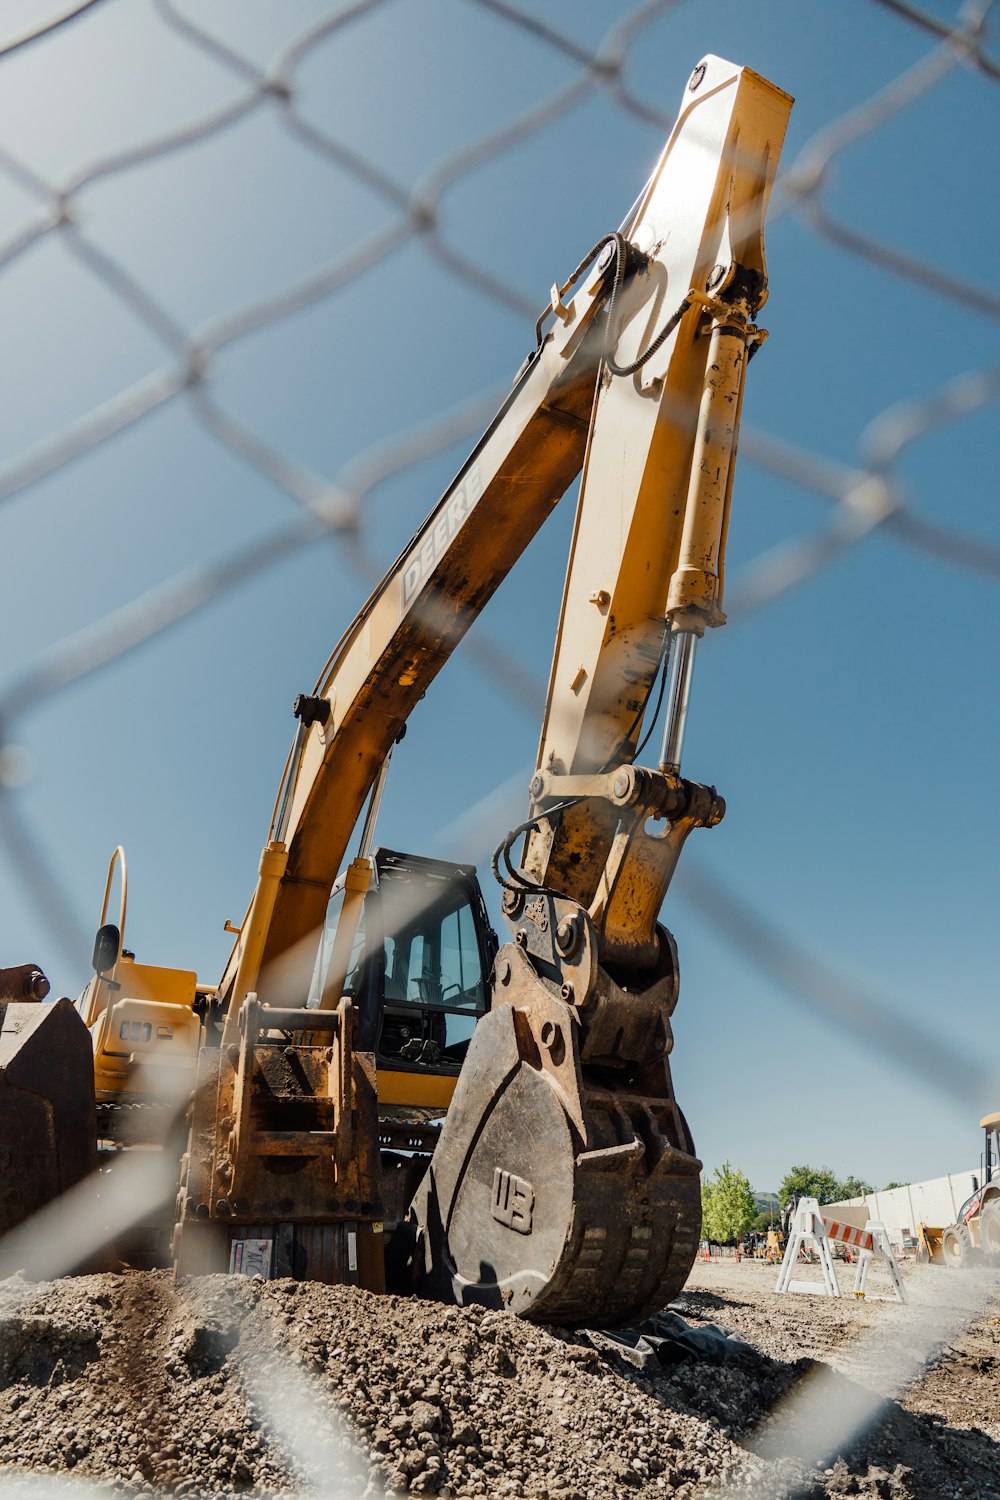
column 678, row 690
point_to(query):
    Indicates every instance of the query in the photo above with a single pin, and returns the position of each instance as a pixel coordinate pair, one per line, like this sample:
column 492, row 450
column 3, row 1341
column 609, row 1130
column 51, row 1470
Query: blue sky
column 850, row 723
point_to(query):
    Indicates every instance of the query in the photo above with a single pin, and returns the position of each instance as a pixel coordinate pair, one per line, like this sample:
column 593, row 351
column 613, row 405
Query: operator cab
column 419, row 973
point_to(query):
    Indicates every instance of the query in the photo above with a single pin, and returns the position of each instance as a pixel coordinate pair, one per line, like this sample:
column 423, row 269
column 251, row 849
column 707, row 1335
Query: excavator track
column 136, row 1121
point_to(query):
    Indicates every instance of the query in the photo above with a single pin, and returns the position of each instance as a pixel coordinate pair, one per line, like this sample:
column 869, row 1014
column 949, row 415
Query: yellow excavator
column 376, row 1086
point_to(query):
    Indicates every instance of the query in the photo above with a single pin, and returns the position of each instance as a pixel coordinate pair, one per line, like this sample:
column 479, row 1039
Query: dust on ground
column 231, row 1386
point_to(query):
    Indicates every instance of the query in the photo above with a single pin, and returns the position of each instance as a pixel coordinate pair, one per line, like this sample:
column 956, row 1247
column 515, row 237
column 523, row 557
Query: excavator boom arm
column 697, row 227
column 399, row 642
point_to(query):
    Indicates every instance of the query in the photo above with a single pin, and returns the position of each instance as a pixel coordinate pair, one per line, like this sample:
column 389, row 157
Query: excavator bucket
column 929, row 1240
column 47, row 1114
column 561, row 1200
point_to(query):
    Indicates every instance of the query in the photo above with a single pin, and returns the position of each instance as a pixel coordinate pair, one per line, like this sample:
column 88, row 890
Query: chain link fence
column 869, row 491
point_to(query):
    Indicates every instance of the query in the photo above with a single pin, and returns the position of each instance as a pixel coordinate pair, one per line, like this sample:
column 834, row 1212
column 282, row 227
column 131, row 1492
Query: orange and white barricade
column 872, row 1243
column 848, row 1234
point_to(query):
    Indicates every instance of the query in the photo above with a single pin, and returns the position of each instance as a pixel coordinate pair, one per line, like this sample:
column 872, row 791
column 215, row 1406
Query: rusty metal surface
column 47, row 1116
column 24, row 983
column 640, row 859
column 284, row 1138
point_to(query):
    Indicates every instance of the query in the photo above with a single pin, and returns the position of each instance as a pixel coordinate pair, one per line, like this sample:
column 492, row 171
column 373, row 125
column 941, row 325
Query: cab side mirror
column 107, row 945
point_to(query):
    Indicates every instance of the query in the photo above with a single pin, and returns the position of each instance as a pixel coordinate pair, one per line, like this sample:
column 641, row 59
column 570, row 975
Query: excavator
column 377, row 1090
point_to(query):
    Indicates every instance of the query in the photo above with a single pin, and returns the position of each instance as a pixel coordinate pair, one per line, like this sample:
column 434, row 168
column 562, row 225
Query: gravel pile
column 229, row 1386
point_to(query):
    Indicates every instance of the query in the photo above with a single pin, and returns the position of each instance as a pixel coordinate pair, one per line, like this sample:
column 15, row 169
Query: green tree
column 854, row 1187
column 728, row 1207
column 810, row 1182
column 764, row 1222
column 890, row 1185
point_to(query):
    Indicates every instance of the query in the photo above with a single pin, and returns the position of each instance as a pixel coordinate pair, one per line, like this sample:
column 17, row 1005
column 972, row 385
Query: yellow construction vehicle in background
column 975, row 1234
column 145, row 1024
column 360, row 1003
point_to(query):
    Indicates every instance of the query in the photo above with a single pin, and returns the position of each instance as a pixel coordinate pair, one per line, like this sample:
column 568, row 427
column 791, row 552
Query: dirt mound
column 228, row 1386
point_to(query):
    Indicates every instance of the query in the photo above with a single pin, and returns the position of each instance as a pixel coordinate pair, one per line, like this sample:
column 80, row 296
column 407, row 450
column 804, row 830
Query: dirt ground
column 920, row 1378
column 232, row 1386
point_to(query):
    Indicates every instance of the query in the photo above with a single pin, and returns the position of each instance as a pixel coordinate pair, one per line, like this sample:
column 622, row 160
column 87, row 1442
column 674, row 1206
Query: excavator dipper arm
column 565, row 1182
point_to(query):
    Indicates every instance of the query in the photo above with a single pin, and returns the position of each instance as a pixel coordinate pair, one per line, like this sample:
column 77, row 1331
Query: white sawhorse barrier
column 875, row 1246
column 808, row 1224
column 872, row 1243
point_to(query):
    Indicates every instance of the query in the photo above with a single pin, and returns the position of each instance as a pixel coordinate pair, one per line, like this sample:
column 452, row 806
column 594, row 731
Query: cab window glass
column 431, row 955
column 461, row 969
column 353, row 982
column 354, row 979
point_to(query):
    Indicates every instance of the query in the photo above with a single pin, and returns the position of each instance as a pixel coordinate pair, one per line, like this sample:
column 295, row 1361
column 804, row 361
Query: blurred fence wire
column 864, row 491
